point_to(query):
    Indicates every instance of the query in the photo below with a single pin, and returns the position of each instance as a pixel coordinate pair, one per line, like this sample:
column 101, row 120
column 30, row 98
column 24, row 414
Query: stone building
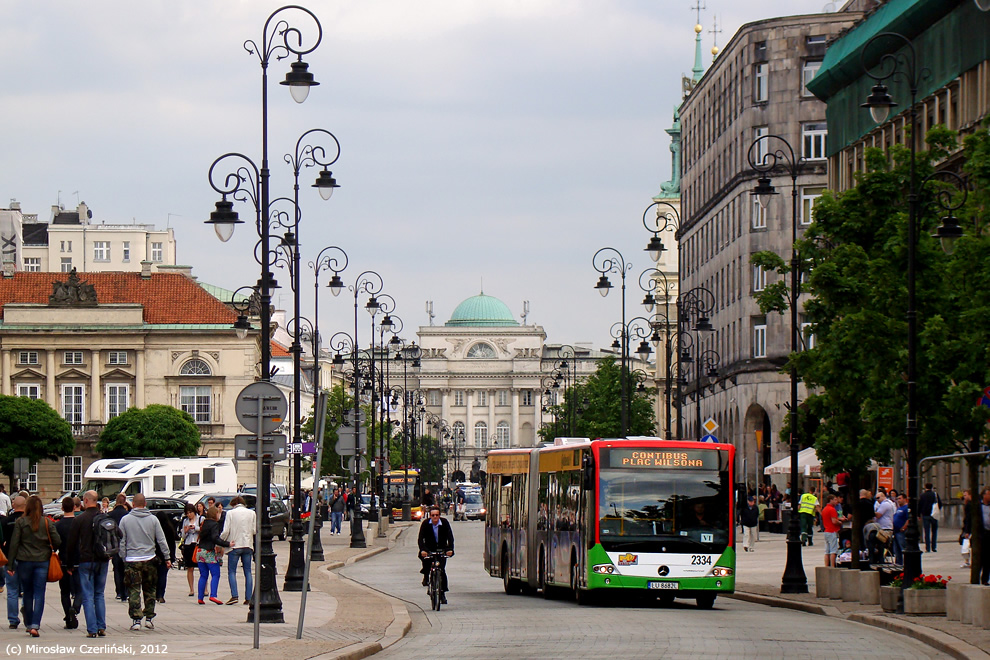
column 755, row 87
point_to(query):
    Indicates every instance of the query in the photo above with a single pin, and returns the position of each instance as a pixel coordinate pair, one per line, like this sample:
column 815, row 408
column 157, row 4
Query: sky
column 485, row 145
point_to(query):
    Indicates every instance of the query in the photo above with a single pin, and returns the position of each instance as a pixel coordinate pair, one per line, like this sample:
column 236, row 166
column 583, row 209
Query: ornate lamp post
column 563, row 370
column 609, row 260
column 697, row 304
column 651, row 280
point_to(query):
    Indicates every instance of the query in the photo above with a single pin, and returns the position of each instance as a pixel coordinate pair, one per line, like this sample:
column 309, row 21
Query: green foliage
column 157, row 430
column 599, row 406
column 339, row 402
column 29, row 428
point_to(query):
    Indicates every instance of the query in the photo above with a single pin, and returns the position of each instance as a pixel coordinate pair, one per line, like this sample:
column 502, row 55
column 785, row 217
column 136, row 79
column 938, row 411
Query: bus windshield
column 645, row 510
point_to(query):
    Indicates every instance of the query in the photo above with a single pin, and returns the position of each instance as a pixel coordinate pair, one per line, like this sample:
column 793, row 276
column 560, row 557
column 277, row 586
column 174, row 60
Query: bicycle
column 434, row 580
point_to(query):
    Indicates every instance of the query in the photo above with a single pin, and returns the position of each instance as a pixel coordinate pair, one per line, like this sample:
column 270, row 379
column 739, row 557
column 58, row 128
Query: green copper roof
column 482, row 311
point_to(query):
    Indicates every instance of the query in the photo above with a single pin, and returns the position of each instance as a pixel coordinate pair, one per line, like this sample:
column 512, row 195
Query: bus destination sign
column 662, row 459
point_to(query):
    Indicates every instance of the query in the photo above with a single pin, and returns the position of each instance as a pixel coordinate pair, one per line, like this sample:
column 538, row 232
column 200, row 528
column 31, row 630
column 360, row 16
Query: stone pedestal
column 955, row 597
column 889, row 597
column 925, row 602
column 869, row 587
column 981, row 615
column 850, row 586
column 822, row 581
column 835, row 583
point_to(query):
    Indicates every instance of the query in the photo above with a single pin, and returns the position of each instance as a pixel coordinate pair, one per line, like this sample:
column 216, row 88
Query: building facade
column 756, row 87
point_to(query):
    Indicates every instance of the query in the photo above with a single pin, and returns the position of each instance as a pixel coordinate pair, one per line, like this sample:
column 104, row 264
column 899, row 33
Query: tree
column 30, row 429
column 158, row 430
column 338, row 405
column 601, row 416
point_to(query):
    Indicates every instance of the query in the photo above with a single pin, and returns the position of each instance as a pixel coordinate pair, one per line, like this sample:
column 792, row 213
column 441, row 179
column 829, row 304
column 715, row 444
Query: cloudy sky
column 493, row 143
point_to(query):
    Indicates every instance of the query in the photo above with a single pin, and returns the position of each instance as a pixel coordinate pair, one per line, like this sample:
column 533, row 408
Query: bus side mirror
column 588, row 470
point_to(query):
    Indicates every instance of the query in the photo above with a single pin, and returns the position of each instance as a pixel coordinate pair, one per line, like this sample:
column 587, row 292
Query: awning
column 808, row 464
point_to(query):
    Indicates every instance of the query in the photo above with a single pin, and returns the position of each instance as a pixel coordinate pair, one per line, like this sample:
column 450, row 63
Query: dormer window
column 482, row 351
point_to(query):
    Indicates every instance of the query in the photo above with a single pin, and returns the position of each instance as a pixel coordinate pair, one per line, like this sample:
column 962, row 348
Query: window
column 808, row 196
column 433, row 397
column 178, row 482
column 156, row 252
column 72, row 403
column 66, row 264
column 126, row 253
column 65, row 246
column 481, row 435
column 808, row 72
column 209, row 475
column 482, row 398
column 459, row 433
column 482, row 351
column 760, row 92
column 813, row 141
column 502, row 435
column 195, row 400
column 117, row 357
column 31, row 483
column 118, row 397
column 158, row 483
column 816, row 39
column 458, row 397
column 32, row 264
column 72, row 357
column 808, row 335
column 27, row 357
column 763, row 146
column 760, row 339
column 101, row 250
column 759, row 215
column 760, row 51
column 527, row 398
column 759, row 278
column 503, row 397
column 72, row 473
column 195, row 367
column 30, row 390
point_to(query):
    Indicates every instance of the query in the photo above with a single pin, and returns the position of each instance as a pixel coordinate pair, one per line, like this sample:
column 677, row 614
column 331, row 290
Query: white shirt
column 239, row 526
column 4, row 504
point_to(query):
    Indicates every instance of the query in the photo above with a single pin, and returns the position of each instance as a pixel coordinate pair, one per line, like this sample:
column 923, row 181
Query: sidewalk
column 343, row 620
column 758, row 577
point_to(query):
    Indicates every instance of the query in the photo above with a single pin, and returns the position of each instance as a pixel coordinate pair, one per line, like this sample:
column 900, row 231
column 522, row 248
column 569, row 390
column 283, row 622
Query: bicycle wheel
column 435, row 592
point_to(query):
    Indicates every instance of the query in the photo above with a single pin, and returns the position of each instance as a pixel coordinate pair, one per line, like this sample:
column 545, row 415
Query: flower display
column 929, row 582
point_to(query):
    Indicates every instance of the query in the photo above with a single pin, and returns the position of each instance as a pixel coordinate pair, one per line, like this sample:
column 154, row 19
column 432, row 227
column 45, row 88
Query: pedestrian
column 984, row 537
column 338, row 503
column 165, row 561
column 10, row 579
column 208, row 555
column 832, row 522
column 930, row 508
column 966, row 536
column 68, row 586
column 119, row 510
column 5, row 503
column 92, row 571
column 239, row 531
column 807, row 508
column 141, row 533
column 749, row 516
column 31, row 546
column 427, row 499
column 901, row 516
column 201, row 509
column 190, row 537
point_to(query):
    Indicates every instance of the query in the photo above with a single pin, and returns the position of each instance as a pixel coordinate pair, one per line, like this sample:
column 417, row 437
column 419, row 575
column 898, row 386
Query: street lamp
column 563, row 370
column 763, row 160
column 653, row 280
column 609, row 260
column 248, row 182
column 695, row 305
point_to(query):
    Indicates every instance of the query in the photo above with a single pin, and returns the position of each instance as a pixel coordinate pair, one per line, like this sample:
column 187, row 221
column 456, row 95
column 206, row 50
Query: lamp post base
column 794, row 580
column 357, row 532
column 297, row 559
column 316, row 549
column 271, row 602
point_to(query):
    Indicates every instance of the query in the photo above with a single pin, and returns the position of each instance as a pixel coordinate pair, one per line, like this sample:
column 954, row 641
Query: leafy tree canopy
column 30, row 428
column 157, row 430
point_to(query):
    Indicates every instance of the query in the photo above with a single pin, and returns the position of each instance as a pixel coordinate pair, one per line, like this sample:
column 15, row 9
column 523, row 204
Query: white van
column 160, row 477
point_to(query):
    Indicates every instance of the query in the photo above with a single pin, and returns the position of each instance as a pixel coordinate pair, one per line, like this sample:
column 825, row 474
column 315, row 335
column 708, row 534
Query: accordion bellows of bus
column 645, row 515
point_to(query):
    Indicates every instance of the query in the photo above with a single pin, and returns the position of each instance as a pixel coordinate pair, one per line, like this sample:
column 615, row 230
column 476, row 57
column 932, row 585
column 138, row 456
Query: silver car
column 474, row 507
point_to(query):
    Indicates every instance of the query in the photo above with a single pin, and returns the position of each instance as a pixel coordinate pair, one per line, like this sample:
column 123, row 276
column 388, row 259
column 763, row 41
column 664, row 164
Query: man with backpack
column 88, row 554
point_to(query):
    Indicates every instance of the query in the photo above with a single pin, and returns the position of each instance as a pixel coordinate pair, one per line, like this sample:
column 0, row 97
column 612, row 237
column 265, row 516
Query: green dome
column 482, row 311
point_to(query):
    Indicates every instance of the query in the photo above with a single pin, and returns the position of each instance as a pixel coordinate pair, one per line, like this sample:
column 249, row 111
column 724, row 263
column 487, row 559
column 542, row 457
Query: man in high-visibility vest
column 807, row 508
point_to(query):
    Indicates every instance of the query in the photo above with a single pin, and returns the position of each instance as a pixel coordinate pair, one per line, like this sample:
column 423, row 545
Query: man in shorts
column 833, row 525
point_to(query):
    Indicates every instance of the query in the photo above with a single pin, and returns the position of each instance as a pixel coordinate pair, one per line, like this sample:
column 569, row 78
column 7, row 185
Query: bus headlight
column 721, row 571
column 604, row 569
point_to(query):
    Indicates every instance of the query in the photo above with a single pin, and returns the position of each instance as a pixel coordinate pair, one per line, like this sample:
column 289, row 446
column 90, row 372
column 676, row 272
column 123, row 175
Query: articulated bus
column 648, row 516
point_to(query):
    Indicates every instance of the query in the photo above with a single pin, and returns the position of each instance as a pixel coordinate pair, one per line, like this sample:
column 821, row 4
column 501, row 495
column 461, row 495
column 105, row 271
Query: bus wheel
column 581, row 596
column 511, row 586
column 706, row 601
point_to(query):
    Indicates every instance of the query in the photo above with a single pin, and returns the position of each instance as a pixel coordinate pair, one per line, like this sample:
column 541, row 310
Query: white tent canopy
column 808, row 463
column 307, row 482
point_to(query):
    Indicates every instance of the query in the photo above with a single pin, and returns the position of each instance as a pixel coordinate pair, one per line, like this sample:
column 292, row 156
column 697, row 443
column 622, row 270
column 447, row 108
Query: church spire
column 699, row 68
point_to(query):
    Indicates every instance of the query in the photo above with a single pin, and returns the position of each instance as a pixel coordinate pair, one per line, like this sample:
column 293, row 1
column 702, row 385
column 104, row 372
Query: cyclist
column 436, row 535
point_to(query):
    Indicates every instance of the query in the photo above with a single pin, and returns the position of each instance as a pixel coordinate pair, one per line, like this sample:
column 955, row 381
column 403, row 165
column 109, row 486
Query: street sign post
column 272, row 447
column 261, row 400
column 710, row 426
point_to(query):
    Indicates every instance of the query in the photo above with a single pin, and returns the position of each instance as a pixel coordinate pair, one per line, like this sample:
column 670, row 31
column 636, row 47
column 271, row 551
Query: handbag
column 3, row 559
column 54, row 564
column 936, row 511
column 965, row 547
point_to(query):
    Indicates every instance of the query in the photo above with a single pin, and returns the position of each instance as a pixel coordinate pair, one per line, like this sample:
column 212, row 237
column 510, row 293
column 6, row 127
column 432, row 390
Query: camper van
column 160, row 477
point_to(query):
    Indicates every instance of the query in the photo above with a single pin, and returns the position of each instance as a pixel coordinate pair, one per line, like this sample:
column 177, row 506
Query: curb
column 936, row 639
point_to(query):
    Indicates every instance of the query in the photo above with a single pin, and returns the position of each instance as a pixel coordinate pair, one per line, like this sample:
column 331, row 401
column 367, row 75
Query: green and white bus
column 644, row 515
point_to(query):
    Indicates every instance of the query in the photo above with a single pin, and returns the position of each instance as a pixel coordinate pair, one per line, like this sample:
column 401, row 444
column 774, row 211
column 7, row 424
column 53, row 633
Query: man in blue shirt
column 900, row 527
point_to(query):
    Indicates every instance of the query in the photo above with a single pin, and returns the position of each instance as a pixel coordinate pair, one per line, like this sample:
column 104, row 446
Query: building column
column 139, row 378
column 51, row 392
column 469, row 423
column 5, row 384
column 514, row 426
column 95, row 397
column 537, row 417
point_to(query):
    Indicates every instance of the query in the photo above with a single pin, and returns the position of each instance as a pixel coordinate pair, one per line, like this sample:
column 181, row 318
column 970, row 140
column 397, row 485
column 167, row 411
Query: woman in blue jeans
column 208, row 557
column 31, row 548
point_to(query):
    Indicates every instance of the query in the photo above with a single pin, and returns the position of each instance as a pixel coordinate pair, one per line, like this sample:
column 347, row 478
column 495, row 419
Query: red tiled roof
column 166, row 297
column 279, row 351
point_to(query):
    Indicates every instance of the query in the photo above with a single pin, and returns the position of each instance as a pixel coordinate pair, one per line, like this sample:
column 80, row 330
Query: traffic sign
column 302, row 448
column 356, row 464
column 272, row 446
column 709, row 438
column 985, row 399
column 273, row 407
column 350, row 442
column 710, row 426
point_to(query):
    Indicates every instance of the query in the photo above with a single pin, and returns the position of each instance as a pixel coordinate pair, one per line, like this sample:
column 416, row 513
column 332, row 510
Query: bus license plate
column 661, row 585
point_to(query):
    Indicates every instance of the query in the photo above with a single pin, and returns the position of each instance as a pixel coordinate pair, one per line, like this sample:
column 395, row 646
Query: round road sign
column 274, row 407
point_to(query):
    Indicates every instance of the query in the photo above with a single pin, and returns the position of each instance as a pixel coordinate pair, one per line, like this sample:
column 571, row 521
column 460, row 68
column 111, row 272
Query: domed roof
column 482, row 311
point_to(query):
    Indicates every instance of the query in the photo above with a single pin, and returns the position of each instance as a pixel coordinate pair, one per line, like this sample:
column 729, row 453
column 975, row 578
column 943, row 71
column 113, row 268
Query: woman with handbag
column 190, row 537
column 32, row 548
column 208, row 555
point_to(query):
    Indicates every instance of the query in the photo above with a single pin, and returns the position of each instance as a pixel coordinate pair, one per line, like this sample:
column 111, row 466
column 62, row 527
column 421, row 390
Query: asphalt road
column 482, row 622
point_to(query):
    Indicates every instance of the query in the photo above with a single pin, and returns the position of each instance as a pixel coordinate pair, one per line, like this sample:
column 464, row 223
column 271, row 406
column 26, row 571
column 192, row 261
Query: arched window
column 482, row 351
column 481, row 435
column 459, row 435
column 195, row 367
column 502, row 435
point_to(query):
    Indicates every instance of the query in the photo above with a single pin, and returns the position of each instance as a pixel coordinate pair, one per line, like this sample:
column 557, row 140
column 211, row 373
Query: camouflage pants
column 141, row 576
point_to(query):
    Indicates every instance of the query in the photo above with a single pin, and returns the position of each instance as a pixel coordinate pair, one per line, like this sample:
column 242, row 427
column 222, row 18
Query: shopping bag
column 964, row 548
column 936, row 512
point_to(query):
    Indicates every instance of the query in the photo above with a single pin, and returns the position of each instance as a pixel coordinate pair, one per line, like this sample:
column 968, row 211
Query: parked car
column 366, row 503
column 54, row 508
column 278, row 512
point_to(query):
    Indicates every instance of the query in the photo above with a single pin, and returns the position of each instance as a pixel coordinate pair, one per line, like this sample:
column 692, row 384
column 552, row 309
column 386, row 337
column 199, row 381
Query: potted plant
column 926, row 595
column 890, row 594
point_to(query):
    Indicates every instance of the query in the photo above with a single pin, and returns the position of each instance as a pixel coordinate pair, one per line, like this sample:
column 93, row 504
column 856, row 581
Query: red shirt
column 828, row 516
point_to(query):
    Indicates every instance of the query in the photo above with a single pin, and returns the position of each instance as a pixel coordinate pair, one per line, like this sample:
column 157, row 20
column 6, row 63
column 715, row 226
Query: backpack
column 106, row 537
